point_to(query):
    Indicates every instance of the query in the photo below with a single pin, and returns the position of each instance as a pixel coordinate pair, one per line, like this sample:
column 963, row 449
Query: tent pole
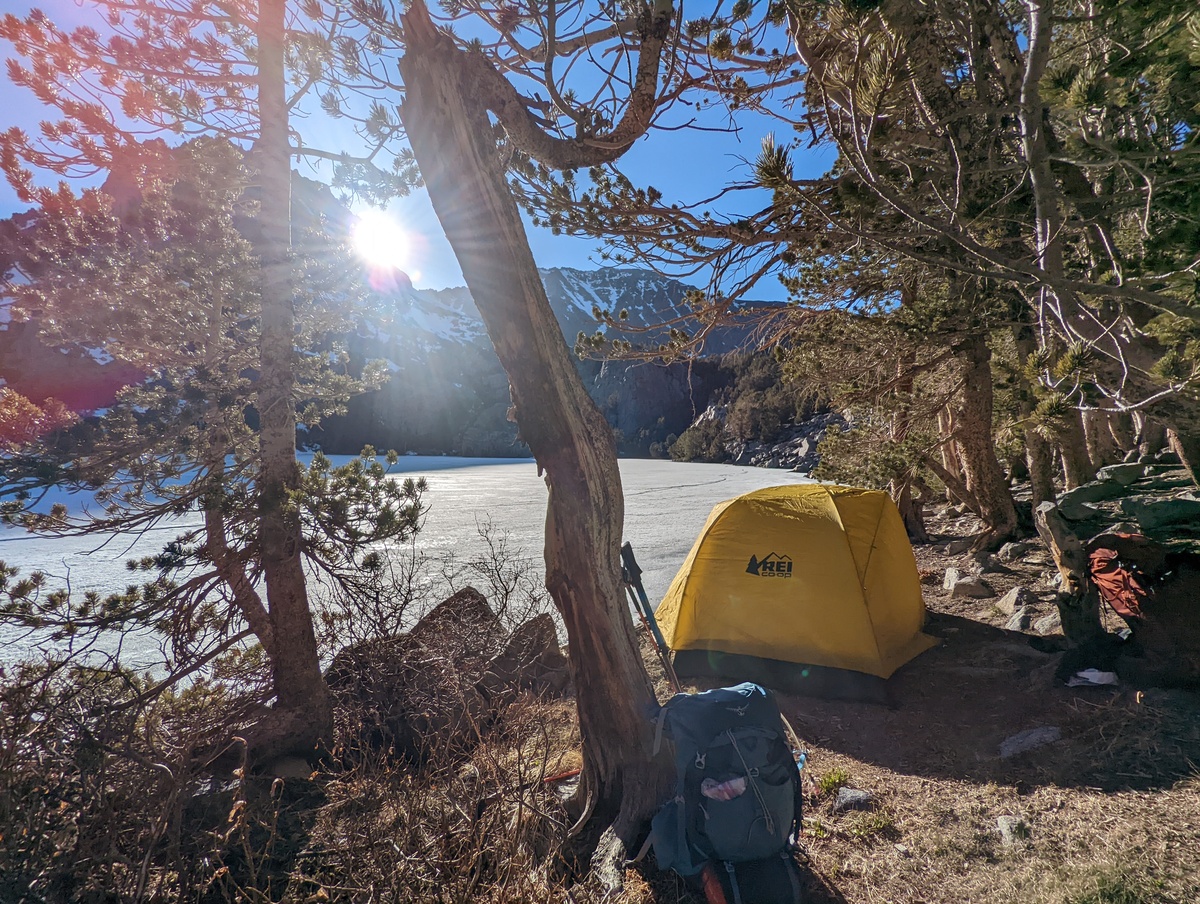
column 631, row 577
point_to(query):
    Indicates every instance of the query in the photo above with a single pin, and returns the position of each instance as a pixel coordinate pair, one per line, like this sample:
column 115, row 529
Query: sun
column 380, row 241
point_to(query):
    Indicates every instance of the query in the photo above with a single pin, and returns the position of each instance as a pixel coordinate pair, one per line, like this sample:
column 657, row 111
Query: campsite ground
column 1109, row 813
column 1106, row 812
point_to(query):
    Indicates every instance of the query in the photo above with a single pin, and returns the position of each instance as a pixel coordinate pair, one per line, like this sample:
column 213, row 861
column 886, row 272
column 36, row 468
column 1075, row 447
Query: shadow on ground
column 953, row 707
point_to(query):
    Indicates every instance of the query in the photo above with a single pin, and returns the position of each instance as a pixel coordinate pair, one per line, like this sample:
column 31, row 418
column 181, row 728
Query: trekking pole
column 631, row 576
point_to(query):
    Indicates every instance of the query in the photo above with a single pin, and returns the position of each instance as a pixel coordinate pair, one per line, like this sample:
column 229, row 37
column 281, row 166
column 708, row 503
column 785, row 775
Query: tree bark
column 451, row 136
column 1038, row 453
column 304, row 712
column 973, row 430
column 1072, row 443
column 951, row 464
column 1121, row 426
column 1187, row 447
column 1101, row 447
column 1152, row 435
column 1078, row 601
column 910, row 510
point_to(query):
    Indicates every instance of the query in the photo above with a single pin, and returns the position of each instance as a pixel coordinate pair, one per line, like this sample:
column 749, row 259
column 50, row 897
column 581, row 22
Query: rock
column 464, row 630
column 532, row 660
column 1121, row 527
column 1030, row 739
column 1012, row 829
column 851, row 799
column 1168, row 457
column 1078, row 511
column 292, row 767
column 972, row 587
column 1051, row 578
column 1153, row 513
column 987, row 563
column 395, row 694
column 1132, row 456
column 1010, row 552
column 1020, row 620
column 1124, row 474
column 959, row 546
column 1096, row 491
column 953, row 575
column 1017, row 598
column 1165, row 482
column 1048, row 624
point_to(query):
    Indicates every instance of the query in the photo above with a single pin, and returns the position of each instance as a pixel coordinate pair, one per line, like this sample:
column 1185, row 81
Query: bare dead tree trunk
column 1078, row 601
column 973, row 430
column 453, row 141
column 303, row 714
column 1072, row 443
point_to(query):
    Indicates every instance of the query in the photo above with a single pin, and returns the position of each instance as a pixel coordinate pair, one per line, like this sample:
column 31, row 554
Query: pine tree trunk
column 910, row 510
column 973, row 430
column 1152, row 435
column 303, row 714
column 950, row 458
column 1072, row 443
column 452, row 139
column 1101, row 448
column 900, row 487
column 1123, row 433
column 1187, row 447
column 1038, row 453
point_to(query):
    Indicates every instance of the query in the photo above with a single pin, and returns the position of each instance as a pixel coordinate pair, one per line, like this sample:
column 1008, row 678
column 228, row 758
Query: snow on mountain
column 425, row 318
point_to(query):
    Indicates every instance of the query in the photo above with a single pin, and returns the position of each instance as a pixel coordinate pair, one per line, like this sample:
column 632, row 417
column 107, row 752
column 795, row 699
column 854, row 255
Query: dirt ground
column 1107, row 814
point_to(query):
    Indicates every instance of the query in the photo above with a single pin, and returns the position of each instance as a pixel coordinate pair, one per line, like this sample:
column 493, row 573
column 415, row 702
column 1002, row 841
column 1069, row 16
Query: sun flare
column 380, row 241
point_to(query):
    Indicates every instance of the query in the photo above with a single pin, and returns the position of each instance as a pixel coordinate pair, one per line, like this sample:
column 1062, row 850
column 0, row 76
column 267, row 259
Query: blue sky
column 685, row 166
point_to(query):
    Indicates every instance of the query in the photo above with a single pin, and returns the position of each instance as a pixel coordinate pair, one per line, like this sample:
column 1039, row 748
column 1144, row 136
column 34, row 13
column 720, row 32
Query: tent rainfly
column 810, row 588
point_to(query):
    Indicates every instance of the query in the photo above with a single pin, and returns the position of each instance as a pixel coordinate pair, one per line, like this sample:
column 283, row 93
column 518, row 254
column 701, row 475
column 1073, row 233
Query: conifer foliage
column 168, row 285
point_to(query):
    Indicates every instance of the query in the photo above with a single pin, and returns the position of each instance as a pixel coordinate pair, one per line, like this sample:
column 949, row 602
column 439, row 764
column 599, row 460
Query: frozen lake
column 666, row 504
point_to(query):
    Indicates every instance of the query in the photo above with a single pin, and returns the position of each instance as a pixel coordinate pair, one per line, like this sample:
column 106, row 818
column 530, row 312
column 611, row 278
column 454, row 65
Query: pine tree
column 167, row 285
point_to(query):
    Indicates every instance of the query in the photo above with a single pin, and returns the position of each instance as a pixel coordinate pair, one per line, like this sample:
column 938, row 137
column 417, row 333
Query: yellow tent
column 806, row 574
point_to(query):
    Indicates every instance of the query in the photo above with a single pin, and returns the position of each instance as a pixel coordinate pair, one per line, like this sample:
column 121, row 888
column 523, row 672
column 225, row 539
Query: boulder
column 397, row 695
column 1011, row 552
column 1074, row 510
column 1124, row 474
column 986, row 563
column 532, row 660
column 1015, row 599
column 463, row 628
column 1048, row 624
column 959, row 546
column 1154, row 513
column 972, row 587
column 1020, row 620
column 1096, row 491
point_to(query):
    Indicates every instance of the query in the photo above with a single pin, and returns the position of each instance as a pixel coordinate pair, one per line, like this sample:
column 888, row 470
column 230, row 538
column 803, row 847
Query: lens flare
column 380, row 241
